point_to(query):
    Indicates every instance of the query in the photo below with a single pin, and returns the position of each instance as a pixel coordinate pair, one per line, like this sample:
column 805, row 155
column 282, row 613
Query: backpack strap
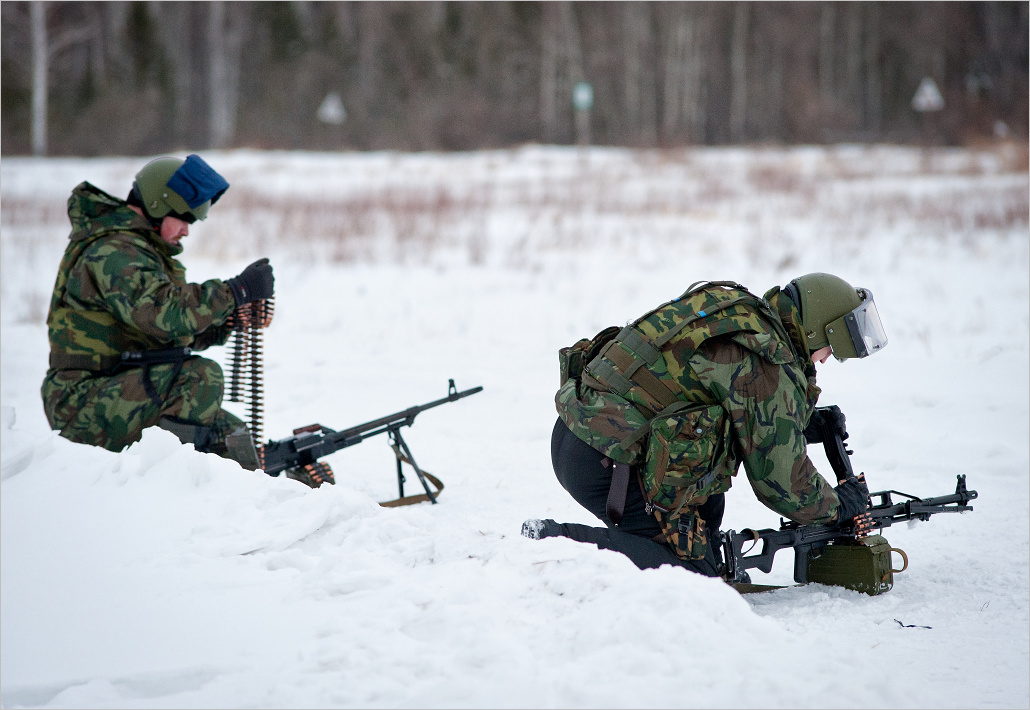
column 615, row 506
column 676, row 329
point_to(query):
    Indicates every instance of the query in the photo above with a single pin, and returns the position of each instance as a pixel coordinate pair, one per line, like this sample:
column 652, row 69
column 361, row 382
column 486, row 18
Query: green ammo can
column 863, row 565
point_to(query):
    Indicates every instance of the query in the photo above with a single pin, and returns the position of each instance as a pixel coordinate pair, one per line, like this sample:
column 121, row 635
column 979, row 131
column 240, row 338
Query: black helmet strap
column 136, row 200
column 791, row 290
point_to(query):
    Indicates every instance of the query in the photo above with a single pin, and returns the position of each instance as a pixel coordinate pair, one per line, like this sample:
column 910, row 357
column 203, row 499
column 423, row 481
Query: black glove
column 854, row 499
column 254, row 283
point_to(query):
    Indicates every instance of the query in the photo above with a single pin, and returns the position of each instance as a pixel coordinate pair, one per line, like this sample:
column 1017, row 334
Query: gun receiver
column 311, row 443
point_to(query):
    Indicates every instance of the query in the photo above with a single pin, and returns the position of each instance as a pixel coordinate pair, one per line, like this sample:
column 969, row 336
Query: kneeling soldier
column 655, row 418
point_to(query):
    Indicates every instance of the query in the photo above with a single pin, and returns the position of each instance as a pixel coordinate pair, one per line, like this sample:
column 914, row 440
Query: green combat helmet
column 185, row 189
column 835, row 313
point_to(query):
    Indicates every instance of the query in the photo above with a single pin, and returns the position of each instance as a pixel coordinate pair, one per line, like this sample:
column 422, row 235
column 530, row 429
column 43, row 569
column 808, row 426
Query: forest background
column 139, row 78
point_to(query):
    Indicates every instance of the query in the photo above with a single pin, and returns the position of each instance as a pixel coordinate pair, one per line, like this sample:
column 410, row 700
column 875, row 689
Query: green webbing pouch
column 573, row 359
column 681, row 472
column 863, row 565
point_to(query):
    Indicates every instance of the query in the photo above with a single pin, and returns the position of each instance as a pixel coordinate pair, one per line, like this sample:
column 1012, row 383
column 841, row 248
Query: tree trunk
column 827, row 56
column 853, row 61
column 873, row 84
column 39, row 78
column 639, row 97
column 561, row 65
column 224, row 46
column 695, row 95
column 767, row 79
column 370, row 21
column 738, row 72
column 674, row 95
column 175, row 20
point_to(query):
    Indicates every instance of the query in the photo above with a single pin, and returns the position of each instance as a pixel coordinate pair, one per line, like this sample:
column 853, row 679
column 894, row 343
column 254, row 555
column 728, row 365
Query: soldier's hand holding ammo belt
column 254, row 283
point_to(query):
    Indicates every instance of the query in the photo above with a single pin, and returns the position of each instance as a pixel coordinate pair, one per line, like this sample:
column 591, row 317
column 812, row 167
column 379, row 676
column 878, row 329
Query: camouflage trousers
column 113, row 410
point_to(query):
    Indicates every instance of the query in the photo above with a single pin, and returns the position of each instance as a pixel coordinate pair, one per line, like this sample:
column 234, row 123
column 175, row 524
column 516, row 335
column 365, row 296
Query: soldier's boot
column 238, row 446
column 312, row 474
column 536, row 529
column 189, row 433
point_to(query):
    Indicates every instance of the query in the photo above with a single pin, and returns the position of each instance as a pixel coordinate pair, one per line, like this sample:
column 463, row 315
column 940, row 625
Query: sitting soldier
column 124, row 321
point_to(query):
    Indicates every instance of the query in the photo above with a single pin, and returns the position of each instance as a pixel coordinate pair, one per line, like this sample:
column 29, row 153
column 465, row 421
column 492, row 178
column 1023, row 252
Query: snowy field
column 161, row 577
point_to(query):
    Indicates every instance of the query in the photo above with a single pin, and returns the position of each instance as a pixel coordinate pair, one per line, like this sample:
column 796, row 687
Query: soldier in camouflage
column 655, row 418
column 124, row 321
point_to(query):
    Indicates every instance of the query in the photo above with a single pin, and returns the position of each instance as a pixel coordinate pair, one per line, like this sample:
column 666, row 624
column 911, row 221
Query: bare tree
column 684, row 97
column 854, row 54
column 639, row 97
column 371, row 22
column 873, row 114
column 465, row 75
column 40, row 62
column 828, row 54
column 561, row 66
column 738, row 71
column 226, row 29
column 44, row 48
column 176, row 21
column 550, row 51
column 678, row 39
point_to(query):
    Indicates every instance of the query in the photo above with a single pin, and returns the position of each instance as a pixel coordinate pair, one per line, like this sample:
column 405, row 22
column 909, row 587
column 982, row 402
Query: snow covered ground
column 161, row 577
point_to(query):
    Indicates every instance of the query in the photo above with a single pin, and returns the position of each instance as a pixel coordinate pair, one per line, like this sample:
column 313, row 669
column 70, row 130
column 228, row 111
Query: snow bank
column 161, row 577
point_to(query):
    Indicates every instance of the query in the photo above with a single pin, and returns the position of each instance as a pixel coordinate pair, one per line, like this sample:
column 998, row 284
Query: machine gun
column 844, row 555
column 302, row 451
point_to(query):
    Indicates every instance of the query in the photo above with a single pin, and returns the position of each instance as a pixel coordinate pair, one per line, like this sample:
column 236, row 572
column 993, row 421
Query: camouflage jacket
column 119, row 287
column 737, row 353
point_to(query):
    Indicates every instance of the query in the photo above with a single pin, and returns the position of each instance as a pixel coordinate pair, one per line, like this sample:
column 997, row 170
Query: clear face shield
column 858, row 333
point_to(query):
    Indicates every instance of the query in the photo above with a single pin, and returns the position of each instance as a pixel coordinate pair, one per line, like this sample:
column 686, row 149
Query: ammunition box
column 863, row 565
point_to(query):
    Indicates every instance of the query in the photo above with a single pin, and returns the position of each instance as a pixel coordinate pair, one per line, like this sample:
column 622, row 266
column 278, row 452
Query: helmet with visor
column 835, row 314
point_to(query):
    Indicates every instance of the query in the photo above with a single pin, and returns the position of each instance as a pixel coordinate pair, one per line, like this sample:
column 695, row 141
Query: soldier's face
column 822, row 355
column 173, row 229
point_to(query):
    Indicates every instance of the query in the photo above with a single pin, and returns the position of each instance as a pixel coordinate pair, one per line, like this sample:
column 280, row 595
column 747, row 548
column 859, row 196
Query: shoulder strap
column 668, row 335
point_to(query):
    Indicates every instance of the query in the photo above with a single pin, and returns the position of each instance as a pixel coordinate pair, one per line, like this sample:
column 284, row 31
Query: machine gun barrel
column 310, row 443
column 887, row 512
column 403, row 418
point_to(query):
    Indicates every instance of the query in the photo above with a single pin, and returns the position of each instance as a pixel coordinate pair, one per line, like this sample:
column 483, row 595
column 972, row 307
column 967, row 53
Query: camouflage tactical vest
column 624, row 393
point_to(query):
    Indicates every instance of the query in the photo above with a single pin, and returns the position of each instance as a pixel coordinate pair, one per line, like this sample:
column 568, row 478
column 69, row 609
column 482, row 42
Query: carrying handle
column 903, row 556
